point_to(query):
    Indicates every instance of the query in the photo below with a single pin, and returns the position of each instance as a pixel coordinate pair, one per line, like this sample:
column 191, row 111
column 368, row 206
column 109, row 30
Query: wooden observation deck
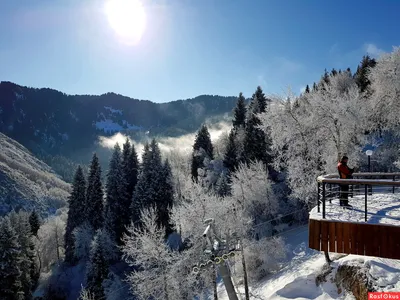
column 370, row 228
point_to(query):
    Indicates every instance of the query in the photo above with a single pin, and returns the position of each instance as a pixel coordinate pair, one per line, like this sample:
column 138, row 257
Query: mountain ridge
column 48, row 117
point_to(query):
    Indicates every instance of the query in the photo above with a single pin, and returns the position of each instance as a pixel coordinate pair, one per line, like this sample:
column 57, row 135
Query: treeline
column 129, row 189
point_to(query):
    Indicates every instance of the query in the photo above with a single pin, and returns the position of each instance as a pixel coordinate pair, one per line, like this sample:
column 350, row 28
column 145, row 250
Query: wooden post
column 323, row 200
column 319, row 196
column 366, row 193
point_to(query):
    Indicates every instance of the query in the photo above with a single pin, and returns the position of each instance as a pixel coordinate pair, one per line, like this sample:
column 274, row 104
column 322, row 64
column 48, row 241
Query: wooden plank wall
column 355, row 238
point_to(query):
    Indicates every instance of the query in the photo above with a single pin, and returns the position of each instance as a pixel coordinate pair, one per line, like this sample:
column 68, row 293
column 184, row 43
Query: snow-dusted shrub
column 263, row 257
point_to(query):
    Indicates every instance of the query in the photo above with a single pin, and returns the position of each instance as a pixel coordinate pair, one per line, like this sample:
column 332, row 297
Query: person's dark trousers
column 344, row 195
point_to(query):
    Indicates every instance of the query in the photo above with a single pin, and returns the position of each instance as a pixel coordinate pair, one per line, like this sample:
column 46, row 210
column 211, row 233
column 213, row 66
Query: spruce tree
column 20, row 223
column 116, row 197
column 361, row 76
column 130, row 166
column 239, row 113
column 10, row 262
column 165, row 205
column 255, row 146
column 35, row 222
column 97, row 269
column 223, row 187
column 94, row 207
column 307, row 89
column 76, row 213
column 230, row 158
column 132, row 171
column 315, row 88
column 154, row 187
column 261, row 99
column 202, row 149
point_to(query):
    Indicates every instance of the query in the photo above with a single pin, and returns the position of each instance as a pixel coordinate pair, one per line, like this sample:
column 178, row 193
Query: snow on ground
column 108, row 126
column 297, row 279
column 381, row 208
column 130, row 126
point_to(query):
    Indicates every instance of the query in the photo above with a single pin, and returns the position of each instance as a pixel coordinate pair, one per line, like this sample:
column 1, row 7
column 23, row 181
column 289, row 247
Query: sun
column 127, row 18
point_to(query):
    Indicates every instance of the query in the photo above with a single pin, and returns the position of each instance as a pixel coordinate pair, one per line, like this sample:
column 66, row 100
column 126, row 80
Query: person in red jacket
column 344, row 173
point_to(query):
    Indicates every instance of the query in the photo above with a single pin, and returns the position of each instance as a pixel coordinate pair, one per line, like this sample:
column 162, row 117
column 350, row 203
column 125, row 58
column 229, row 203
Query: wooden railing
column 333, row 179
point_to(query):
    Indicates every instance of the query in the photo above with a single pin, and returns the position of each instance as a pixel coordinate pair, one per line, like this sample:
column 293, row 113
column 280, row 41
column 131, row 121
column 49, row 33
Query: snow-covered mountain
column 56, row 123
column 26, row 182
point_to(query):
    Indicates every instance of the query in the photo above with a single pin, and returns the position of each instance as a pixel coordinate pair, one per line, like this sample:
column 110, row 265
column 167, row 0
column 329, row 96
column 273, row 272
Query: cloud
column 373, row 50
column 182, row 144
column 302, row 89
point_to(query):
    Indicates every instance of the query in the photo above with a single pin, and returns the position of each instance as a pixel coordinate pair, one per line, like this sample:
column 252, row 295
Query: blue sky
column 190, row 47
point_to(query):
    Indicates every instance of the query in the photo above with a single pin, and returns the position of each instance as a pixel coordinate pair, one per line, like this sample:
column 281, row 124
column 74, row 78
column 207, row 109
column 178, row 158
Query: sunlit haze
column 127, row 18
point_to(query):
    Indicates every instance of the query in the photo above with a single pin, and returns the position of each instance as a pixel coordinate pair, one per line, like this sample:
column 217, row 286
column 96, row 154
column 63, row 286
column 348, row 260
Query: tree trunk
column 245, row 280
column 327, row 258
column 214, row 279
column 165, row 287
column 57, row 246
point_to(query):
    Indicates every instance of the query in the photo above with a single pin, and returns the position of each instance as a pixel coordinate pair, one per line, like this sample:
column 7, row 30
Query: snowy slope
column 297, row 279
column 26, row 182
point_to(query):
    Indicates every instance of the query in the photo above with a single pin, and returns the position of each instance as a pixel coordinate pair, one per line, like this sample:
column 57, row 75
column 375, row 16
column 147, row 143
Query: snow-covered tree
column 94, row 208
column 385, row 85
column 310, row 132
column 83, row 236
column 10, row 262
column 252, row 191
column 202, row 149
column 116, row 198
column 49, row 243
column 222, row 186
column 20, row 222
column 76, row 213
column 180, row 167
column 97, row 269
column 145, row 248
column 361, row 75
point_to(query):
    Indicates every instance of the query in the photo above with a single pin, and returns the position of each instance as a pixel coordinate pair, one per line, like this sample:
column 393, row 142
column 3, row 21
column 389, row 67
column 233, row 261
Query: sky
column 190, row 47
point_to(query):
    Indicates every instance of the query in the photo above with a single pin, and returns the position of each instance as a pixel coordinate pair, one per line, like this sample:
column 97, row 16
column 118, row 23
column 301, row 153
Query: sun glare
column 127, row 18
